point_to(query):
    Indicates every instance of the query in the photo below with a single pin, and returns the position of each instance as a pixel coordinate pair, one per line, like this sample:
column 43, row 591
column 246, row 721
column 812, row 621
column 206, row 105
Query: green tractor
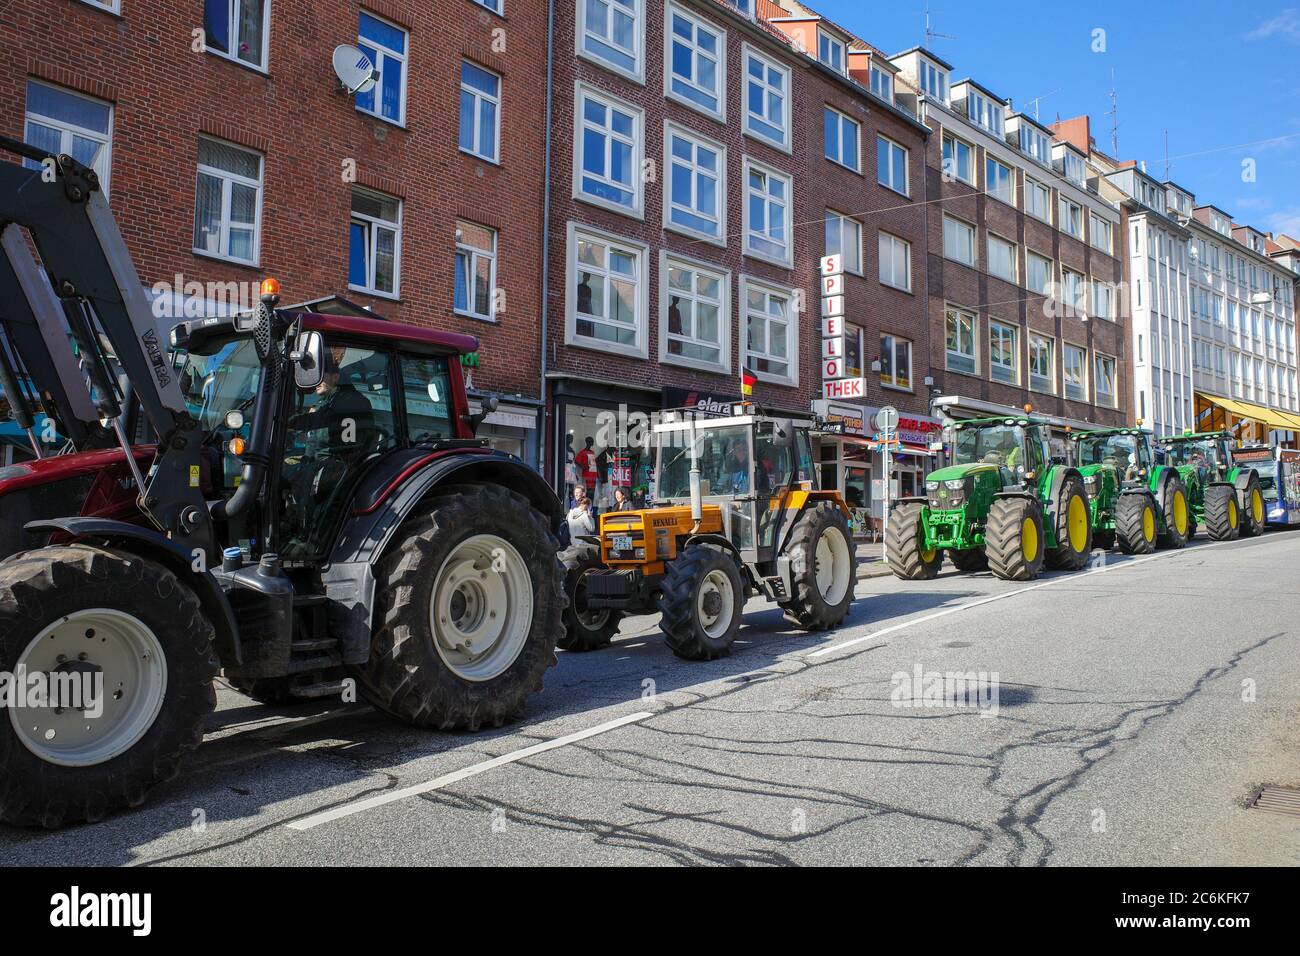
column 1003, row 504
column 1226, row 497
column 1138, row 503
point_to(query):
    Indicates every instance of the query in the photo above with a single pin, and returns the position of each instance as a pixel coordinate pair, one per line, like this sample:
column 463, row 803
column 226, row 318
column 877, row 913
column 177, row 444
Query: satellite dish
column 354, row 69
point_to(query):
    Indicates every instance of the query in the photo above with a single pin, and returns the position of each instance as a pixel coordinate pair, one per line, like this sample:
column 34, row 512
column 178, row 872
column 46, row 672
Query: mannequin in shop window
column 586, row 462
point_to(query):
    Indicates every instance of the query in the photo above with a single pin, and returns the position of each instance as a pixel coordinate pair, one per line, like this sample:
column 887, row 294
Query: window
column 844, row 238
column 608, row 152
column 1004, row 354
column 1038, row 200
column 611, row 32
column 767, row 213
column 1103, row 299
column 1075, row 370
column 1074, row 292
column 697, row 184
column 983, row 111
column 696, row 68
column 1035, row 144
column 1002, row 258
column 1071, row 218
column 476, row 270
column 428, row 397
column 480, row 106
column 934, row 81
column 1042, row 364
column 895, row 262
column 1038, row 273
column 1072, row 166
column 998, row 181
column 958, row 160
column 959, row 339
column 493, row 5
column 767, row 99
column 1099, row 232
column 895, row 362
column 841, row 138
column 237, row 29
column 375, row 242
column 891, row 165
column 385, row 44
column 695, row 325
column 608, row 298
column 769, row 333
column 959, row 240
column 882, row 84
column 228, row 202
column 62, row 122
column 830, row 51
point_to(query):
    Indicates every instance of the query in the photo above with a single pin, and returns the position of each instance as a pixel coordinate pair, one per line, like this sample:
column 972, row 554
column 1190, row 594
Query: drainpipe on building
column 543, row 433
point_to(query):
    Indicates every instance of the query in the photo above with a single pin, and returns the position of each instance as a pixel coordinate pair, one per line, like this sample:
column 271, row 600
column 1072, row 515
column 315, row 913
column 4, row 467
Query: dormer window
column 985, row 112
column 745, row 6
column 934, row 81
column 830, row 50
column 1035, row 145
column 1072, row 166
column 882, row 84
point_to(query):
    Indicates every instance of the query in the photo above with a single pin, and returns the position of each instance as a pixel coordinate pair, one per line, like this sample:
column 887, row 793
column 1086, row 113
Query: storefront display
column 602, row 436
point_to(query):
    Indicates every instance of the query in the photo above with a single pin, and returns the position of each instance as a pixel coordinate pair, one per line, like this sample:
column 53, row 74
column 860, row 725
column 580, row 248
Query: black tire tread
column 578, row 637
column 1218, row 523
column 1128, row 523
column 1063, row 557
column 677, row 604
column 968, row 560
column 1002, row 539
column 808, row 610
column 903, row 547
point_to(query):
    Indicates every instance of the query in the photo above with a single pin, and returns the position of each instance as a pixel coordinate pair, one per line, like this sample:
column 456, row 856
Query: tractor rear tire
column 1222, row 516
column 1252, row 509
column 968, row 560
column 1177, row 515
column 142, row 629
column 823, row 569
column 1013, row 539
column 701, row 603
column 904, row 549
column 1073, row 529
column 1104, row 540
column 469, row 603
column 1136, row 524
column 584, row 630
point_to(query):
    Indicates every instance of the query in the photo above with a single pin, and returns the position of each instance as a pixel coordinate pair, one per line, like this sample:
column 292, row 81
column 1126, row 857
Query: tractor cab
column 1207, row 453
column 1017, row 447
column 1126, row 450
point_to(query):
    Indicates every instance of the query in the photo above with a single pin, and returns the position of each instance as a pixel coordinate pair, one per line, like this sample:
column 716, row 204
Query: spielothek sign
column 835, row 384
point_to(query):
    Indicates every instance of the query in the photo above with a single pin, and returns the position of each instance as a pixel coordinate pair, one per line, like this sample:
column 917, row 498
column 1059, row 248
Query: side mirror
column 490, row 404
column 308, row 361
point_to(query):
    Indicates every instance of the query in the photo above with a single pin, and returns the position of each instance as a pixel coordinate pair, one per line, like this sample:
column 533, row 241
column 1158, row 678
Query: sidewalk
column 871, row 559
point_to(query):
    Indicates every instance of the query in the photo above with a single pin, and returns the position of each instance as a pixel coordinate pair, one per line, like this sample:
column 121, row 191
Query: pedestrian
column 621, row 500
column 582, row 517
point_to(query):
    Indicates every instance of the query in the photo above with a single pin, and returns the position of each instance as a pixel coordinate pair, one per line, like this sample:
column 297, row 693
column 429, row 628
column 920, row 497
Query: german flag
column 747, row 380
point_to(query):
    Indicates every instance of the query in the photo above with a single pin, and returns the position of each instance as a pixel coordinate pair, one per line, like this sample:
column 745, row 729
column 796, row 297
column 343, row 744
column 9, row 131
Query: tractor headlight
column 956, row 484
column 1090, row 484
column 639, row 553
column 932, row 486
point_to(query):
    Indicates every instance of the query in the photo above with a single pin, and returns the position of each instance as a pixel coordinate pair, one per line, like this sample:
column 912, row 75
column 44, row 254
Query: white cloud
column 1285, row 221
column 1285, row 26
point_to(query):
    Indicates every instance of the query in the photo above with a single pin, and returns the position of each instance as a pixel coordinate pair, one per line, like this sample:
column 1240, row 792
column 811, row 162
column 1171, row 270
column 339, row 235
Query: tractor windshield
column 219, row 383
column 1126, row 453
column 1199, row 454
column 1001, row 445
column 724, row 461
column 1267, row 478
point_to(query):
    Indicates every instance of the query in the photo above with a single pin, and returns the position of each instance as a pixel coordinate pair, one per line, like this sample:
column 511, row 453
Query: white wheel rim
column 482, row 607
column 130, row 662
column 715, row 603
column 832, row 566
column 591, row 620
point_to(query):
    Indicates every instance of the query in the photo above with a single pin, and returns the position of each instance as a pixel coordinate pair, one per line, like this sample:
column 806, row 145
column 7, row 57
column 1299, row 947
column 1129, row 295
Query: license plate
column 622, row 542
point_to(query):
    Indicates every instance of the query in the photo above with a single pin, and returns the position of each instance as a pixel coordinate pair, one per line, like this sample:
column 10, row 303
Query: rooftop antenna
column 1113, row 113
column 1037, row 99
column 930, row 33
column 1167, row 156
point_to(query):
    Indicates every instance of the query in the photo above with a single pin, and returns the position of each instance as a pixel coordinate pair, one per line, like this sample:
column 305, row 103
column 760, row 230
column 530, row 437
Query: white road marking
column 347, row 810
column 989, row 599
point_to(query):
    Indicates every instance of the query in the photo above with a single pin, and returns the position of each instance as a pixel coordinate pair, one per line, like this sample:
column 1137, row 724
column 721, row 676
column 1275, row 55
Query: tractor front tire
column 1073, row 529
column 141, row 632
column 1136, row 524
column 1222, row 516
column 701, row 602
column 1013, row 539
column 1252, row 509
column 1177, row 515
column 968, row 560
column 584, row 630
column 905, row 549
column 469, row 603
column 823, row 569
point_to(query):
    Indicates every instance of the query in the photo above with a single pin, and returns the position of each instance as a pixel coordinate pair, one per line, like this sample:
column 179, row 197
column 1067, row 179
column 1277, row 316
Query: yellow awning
column 1259, row 413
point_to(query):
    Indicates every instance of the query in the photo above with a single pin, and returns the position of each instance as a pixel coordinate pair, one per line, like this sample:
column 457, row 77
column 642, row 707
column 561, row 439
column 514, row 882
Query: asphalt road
column 1139, row 705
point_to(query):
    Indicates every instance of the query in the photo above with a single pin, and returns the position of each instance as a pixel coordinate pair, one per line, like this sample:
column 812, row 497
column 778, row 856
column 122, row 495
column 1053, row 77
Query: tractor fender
column 1059, row 478
column 151, row 544
column 1242, row 482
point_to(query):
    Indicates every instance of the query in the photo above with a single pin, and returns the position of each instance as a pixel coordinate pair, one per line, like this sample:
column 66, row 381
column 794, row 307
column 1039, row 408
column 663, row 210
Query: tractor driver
column 737, row 469
column 341, row 412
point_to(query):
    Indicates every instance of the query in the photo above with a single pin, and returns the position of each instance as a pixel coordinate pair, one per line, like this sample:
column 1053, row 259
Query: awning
column 1287, row 421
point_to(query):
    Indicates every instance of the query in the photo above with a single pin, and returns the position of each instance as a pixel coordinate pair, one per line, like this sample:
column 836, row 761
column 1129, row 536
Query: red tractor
column 297, row 500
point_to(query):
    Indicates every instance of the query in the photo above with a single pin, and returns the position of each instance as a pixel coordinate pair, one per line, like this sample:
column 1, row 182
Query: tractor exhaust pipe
column 697, row 500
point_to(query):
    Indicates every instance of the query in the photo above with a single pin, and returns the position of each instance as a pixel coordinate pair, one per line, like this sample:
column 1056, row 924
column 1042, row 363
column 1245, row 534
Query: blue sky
column 1216, row 75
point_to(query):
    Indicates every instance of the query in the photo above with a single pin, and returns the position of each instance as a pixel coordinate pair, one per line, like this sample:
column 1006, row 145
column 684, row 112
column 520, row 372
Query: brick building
column 230, row 153
column 758, row 159
column 1026, row 261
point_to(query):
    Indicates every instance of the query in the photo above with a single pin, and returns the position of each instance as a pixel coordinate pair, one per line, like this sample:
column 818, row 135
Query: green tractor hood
column 953, row 472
